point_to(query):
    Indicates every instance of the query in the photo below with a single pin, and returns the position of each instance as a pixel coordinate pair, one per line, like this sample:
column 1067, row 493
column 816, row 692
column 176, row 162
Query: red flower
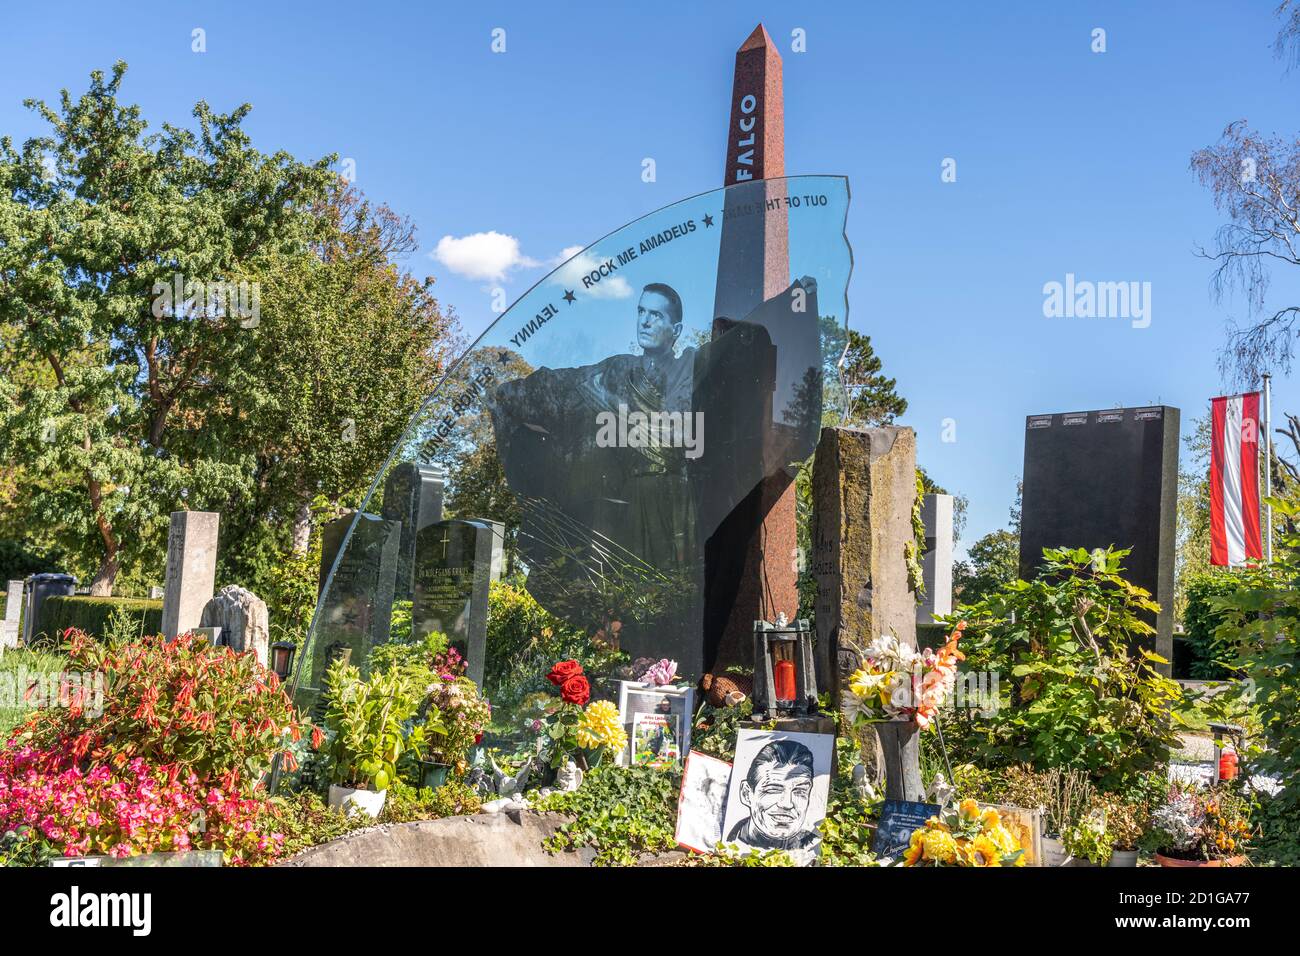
column 576, row 690
column 564, row 671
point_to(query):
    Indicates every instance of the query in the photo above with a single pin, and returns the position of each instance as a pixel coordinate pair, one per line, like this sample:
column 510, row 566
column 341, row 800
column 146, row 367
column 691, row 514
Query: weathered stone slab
column 864, row 486
column 242, row 617
column 191, row 569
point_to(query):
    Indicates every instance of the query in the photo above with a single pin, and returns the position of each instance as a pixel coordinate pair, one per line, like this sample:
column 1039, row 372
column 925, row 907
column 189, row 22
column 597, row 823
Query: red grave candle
column 783, row 677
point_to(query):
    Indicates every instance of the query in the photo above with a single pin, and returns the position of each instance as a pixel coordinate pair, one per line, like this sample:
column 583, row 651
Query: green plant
column 406, row 804
column 622, row 813
column 306, row 821
column 846, row 838
column 1090, row 838
column 1082, row 694
column 367, row 719
column 1211, row 658
column 1126, row 819
column 1261, row 628
column 183, row 702
column 716, row 728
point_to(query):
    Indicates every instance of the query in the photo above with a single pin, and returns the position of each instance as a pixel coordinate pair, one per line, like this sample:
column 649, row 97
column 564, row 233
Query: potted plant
column 1125, row 822
column 1192, row 827
column 462, row 716
column 1089, row 842
column 367, row 721
column 1066, row 798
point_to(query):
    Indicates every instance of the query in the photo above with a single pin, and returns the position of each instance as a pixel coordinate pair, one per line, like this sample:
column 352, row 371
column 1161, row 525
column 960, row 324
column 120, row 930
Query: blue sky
column 1068, row 161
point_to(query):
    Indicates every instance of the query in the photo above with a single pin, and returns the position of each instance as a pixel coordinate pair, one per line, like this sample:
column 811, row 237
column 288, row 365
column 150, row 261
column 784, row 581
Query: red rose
column 564, row 670
column 576, row 690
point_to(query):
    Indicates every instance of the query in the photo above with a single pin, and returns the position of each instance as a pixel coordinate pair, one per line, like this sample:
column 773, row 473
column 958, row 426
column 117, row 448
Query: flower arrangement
column 1192, row 824
column 895, row 682
column 576, row 727
column 967, row 836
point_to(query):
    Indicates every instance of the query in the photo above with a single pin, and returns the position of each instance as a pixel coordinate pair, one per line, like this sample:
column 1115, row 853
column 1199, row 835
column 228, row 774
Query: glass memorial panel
column 587, row 447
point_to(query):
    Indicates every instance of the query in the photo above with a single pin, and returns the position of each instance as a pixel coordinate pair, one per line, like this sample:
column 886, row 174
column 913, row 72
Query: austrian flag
column 1234, row 480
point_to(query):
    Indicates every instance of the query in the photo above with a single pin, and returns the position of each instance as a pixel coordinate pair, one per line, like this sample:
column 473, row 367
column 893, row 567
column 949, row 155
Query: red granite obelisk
column 750, row 566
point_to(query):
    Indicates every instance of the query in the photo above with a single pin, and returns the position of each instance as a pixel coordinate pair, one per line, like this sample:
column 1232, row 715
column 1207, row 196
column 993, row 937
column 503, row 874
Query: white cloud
column 570, row 275
column 484, row 256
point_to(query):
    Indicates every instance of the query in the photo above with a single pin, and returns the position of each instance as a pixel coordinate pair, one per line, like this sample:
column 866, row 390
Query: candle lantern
column 282, row 659
column 785, row 683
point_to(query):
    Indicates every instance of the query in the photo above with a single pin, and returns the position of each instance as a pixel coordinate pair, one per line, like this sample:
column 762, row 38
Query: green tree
column 991, row 562
column 99, row 220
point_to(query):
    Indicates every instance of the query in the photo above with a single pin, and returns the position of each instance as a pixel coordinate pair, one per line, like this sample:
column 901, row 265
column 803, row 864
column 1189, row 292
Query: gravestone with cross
column 455, row 563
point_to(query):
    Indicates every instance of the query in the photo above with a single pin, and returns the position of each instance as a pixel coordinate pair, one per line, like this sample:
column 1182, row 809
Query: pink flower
column 660, row 673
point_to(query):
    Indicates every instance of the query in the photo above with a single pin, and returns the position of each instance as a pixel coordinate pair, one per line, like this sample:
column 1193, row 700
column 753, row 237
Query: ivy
column 623, row 813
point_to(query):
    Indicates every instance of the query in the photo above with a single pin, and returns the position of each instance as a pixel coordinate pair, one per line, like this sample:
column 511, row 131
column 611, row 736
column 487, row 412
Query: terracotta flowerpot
column 1174, row 861
column 1123, row 858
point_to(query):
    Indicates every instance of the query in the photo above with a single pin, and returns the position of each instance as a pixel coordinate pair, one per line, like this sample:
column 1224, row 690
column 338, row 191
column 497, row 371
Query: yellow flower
column 968, row 809
column 600, row 727
column 987, row 852
column 990, row 819
column 912, row 855
column 939, row 846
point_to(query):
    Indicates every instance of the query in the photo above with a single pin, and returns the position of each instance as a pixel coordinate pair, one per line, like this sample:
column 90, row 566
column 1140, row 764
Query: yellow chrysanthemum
column 600, row 727
column 990, row 819
column 968, row 809
column 939, row 846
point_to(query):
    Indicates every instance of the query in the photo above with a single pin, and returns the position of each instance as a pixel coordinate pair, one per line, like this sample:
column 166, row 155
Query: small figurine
column 726, row 690
column 568, row 778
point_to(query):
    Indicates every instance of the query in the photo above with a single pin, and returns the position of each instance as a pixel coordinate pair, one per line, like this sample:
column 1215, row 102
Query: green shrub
column 622, row 813
column 1209, row 657
column 1261, row 627
column 1078, row 692
column 92, row 615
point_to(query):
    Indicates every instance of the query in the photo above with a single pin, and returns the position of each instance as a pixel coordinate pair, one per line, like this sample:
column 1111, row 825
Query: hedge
column 92, row 614
column 1206, row 656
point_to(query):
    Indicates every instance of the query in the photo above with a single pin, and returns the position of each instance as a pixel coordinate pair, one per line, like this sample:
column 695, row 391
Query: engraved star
column 569, row 297
column 708, row 220
column 503, row 358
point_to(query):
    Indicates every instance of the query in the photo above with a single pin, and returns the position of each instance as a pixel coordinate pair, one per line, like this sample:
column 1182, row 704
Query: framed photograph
column 779, row 786
column 655, row 740
column 702, row 801
column 673, row 702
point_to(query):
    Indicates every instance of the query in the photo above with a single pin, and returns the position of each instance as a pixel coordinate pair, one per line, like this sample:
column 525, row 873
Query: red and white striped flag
column 1234, row 480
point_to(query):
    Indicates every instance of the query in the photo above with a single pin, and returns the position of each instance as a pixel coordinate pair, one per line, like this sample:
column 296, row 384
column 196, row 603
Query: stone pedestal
column 191, row 569
column 241, row 617
column 864, row 485
column 936, row 559
column 900, row 751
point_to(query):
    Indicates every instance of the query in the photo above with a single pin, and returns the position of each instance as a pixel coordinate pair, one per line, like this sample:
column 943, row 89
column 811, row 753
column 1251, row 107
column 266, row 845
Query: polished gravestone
column 1101, row 478
column 356, row 606
column 456, row 562
column 413, row 495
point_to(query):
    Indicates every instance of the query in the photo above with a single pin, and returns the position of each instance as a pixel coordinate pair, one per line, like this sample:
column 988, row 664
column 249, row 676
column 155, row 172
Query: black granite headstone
column 358, row 607
column 1101, row 478
column 455, row 562
column 412, row 495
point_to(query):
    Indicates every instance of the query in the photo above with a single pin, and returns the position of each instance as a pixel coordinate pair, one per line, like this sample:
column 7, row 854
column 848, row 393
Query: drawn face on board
column 778, row 800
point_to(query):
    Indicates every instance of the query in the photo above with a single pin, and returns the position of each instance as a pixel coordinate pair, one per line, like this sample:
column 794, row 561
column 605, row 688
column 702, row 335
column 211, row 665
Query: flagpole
column 1268, row 466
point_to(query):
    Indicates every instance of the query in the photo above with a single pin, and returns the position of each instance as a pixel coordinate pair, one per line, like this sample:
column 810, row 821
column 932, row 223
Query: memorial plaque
column 899, row 819
column 412, row 495
column 1103, row 478
column 455, row 562
column 357, row 606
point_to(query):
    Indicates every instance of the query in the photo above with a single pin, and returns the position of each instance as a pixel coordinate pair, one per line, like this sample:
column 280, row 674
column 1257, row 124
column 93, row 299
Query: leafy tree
column 97, row 218
column 992, row 562
column 200, row 325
